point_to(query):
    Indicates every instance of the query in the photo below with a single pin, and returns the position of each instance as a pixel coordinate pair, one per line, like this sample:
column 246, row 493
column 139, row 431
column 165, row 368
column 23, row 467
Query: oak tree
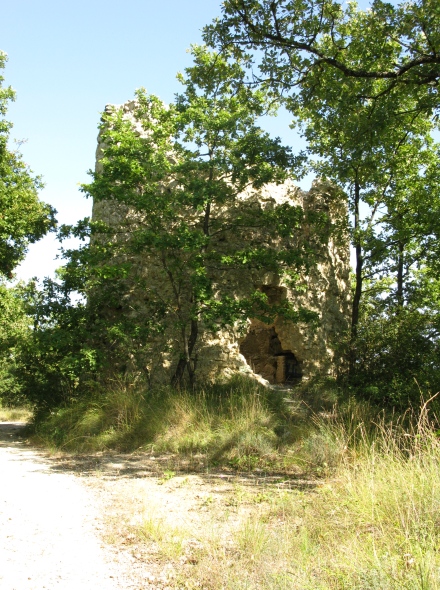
column 24, row 219
column 299, row 41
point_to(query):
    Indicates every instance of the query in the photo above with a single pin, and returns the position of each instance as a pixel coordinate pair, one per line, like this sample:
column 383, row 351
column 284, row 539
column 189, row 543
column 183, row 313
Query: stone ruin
column 283, row 352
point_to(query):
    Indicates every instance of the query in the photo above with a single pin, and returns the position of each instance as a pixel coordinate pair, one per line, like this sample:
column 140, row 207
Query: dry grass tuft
column 15, row 415
column 374, row 524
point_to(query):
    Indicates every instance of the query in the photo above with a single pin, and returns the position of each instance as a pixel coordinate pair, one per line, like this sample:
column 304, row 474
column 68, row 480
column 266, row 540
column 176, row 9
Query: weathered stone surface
column 283, row 351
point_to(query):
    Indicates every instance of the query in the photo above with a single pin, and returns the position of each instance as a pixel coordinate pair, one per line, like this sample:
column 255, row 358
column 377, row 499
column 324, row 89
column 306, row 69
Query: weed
column 15, row 414
column 168, row 540
column 167, row 475
column 252, row 538
column 207, row 501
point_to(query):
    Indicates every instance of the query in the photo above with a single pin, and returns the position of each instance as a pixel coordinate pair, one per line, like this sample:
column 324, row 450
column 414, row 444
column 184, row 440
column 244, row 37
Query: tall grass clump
column 236, row 422
column 380, row 518
column 15, row 414
column 374, row 524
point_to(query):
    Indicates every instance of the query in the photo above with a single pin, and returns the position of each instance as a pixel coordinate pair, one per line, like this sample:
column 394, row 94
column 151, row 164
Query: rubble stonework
column 281, row 352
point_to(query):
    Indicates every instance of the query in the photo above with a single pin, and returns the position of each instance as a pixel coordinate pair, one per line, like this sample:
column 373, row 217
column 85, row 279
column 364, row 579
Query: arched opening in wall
column 264, row 353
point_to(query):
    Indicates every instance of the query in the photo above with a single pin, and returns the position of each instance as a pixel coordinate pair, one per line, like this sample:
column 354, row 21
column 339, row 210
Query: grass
column 375, row 524
column 369, row 518
column 236, row 423
column 15, row 414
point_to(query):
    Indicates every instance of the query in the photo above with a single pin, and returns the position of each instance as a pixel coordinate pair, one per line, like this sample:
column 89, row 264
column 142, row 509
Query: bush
column 397, row 357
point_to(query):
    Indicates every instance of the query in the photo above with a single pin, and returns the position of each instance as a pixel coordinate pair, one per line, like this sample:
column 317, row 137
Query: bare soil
column 73, row 522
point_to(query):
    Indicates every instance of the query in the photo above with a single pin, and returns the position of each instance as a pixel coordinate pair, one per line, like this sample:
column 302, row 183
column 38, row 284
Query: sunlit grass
column 234, row 423
column 368, row 518
column 15, row 415
column 374, row 524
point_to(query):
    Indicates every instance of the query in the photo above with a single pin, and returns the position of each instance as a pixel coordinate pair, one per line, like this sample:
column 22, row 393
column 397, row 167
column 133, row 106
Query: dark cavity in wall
column 264, row 353
column 274, row 293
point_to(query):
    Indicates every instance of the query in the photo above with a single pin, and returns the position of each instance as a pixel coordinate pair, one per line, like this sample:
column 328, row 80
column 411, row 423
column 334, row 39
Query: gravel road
column 48, row 522
column 56, row 511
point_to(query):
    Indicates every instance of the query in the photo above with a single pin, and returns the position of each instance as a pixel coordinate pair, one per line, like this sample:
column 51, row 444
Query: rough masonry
column 282, row 352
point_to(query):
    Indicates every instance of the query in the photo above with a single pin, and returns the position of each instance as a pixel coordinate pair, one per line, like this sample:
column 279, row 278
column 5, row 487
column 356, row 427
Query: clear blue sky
column 67, row 60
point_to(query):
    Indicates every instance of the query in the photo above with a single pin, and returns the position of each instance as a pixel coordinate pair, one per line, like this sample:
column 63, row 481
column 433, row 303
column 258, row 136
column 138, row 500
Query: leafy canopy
column 24, row 219
column 182, row 172
column 300, row 40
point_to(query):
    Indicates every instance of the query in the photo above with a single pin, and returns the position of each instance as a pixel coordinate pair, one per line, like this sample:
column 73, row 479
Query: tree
column 299, row 41
column 15, row 329
column 24, row 219
column 399, row 354
column 180, row 180
column 379, row 152
column 364, row 85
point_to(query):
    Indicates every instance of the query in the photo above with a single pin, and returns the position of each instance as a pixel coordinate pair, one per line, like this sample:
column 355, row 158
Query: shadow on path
column 112, row 465
column 11, row 433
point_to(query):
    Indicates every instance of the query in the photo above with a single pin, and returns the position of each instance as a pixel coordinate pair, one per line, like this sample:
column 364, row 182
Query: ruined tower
column 280, row 352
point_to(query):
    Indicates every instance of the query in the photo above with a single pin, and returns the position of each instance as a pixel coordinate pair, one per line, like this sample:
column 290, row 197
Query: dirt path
column 47, row 525
column 116, row 521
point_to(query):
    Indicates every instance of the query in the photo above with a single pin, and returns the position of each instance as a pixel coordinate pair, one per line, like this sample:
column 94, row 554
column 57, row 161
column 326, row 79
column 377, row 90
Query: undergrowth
column 374, row 525
column 15, row 414
column 241, row 424
column 368, row 518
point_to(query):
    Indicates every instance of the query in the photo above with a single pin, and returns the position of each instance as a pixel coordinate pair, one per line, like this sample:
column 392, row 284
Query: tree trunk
column 187, row 362
column 399, row 293
column 359, row 277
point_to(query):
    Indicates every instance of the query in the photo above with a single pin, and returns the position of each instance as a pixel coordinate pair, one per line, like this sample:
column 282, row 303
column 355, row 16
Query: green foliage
column 298, row 43
column 72, row 347
column 398, row 355
column 55, row 344
column 382, row 153
column 56, row 353
column 15, row 331
column 363, row 86
column 24, row 218
column 181, row 179
column 45, row 349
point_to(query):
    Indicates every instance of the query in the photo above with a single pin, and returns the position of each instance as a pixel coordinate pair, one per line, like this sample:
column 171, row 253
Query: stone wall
column 282, row 352
column 286, row 352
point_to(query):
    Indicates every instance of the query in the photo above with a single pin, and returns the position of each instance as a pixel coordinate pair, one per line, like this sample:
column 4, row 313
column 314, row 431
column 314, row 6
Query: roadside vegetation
column 344, row 495
column 15, row 414
column 372, row 524
column 240, row 423
column 348, row 493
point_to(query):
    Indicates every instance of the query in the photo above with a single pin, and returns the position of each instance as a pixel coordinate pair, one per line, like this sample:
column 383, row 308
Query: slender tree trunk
column 187, row 362
column 399, row 293
column 359, row 277
column 192, row 362
column 206, row 219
